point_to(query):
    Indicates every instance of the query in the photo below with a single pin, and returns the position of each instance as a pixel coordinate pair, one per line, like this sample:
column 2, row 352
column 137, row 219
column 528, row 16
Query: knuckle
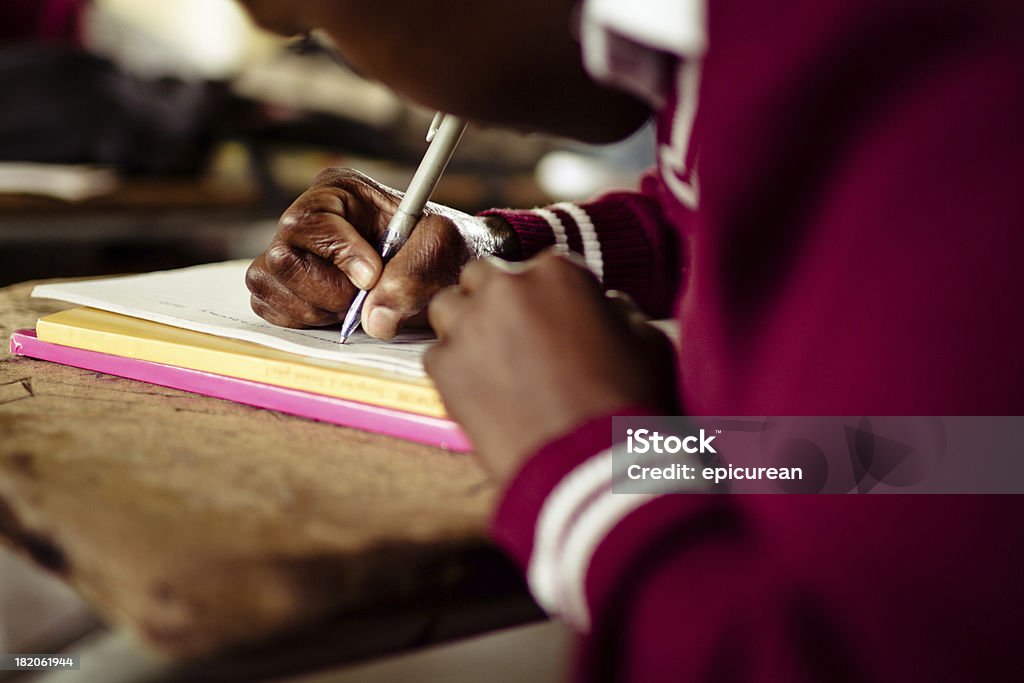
column 259, row 307
column 282, row 261
column 309, row 211
column 330, row 228
column 294, row 222
column 269, row 313
column 316, row 198
column 321, row 234
column 256, row 279
column 340, row 252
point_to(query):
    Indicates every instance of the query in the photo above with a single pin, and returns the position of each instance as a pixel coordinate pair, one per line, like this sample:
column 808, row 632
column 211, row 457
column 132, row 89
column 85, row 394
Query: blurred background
column 139, row 135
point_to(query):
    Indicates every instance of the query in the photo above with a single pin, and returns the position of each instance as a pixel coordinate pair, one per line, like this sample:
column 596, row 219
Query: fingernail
column 382, row 323
column 361, row 273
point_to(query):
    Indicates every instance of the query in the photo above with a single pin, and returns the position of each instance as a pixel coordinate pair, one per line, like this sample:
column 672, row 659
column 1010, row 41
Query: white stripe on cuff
column 562, row 507
column 577, row 515
column 557, row 227
column 591, row 527
column 591, row 244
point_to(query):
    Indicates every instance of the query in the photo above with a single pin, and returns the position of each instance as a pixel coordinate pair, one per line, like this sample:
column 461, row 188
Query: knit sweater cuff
column 516, row 517
column 620, row 236
column 534, row 232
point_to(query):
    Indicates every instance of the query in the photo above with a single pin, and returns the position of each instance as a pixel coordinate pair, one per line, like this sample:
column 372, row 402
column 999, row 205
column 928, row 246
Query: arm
column 324, row 249
column 692, row 587
column 802, row 588
column 761, row 588
column 514, row 64
column 622, row 236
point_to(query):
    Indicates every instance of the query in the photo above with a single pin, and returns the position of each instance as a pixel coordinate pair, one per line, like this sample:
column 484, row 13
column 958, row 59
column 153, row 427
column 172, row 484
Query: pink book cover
column 409, row 426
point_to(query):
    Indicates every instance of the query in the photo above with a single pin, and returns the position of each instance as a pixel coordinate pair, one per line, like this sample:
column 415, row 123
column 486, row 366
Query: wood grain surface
column 201, row 524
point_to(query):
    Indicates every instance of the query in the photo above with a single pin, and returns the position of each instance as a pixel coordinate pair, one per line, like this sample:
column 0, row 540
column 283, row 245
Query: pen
column 445, row 133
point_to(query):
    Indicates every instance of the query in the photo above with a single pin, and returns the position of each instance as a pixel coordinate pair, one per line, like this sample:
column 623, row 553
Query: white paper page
column 213, row 299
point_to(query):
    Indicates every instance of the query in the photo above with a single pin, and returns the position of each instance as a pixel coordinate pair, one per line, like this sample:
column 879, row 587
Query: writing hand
column 325, row 250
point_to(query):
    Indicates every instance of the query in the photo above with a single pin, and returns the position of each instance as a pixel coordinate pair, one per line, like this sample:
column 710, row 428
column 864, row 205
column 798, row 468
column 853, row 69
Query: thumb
column 430, row 261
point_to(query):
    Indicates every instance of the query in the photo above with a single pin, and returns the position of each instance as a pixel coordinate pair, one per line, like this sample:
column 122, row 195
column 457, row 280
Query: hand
column 528, row 352
column 325, row 250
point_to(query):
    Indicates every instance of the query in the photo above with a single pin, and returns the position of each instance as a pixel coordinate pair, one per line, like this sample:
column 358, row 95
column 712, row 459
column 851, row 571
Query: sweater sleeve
column 46, row 20
column 623, row 237
column 691, row 587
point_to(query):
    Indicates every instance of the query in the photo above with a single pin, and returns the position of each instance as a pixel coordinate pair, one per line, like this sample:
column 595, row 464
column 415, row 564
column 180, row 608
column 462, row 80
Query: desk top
column 201, row 524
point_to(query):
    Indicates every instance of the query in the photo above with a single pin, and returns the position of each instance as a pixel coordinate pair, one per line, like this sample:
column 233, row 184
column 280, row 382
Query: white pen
column 444, row 135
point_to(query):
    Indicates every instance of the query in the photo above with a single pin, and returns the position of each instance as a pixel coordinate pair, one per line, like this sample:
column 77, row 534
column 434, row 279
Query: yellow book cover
column 119, row 335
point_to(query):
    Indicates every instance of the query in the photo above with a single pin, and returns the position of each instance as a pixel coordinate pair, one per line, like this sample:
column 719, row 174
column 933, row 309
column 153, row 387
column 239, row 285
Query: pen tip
column 344, row 339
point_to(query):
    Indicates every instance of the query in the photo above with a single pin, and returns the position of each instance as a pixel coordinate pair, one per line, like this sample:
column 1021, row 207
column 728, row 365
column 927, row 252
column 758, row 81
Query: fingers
column 308, row 276
column 280, row 306
column 450, row 304
column 317, row 223
column 430, row 261
column 323, row 251
column 447, row 307
column 476, row 274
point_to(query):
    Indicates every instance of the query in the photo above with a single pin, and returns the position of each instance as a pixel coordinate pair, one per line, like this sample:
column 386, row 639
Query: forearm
column 623, row 237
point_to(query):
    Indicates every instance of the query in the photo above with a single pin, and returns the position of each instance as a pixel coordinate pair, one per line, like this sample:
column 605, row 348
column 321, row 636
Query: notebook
column 213, row 299
column 404, row 425
column 91, row 329
column 199, row 320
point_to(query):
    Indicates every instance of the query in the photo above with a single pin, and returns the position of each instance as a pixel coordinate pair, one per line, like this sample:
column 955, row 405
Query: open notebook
column 199, row 319
column 213, row 299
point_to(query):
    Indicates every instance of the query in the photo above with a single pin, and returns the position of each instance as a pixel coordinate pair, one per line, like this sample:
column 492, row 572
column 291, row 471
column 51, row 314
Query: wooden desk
column 202, row 525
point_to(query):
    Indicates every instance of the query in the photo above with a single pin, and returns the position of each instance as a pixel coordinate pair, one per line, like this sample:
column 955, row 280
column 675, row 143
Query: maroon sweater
column 40, row 19
column 848, row 244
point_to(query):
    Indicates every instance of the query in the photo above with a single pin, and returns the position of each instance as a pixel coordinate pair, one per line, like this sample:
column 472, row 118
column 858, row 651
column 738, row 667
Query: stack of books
column 193, row 329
